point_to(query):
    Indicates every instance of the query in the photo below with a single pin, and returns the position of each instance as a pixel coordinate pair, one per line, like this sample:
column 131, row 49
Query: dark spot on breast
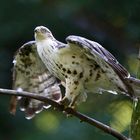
column 74, row 72
column 88, row 59
column 66, row 76
column 21, row 70
column 102, row 71
column 61, row 65
column 64, row 69
column 27, row 72
column 91, row 65
column 71, row 93
column 63, row 74
column 73, row 62
column 86, row 80
column 30, row 84
column 76, row 82
column 73, row 56
column 96, row 66
column 56, row 64
column 81, row 75
column 77, row 63
column 111, row 79
column 121, row 89
column 69, row 72
column 97, row 76
column 106, row 66
column 34, row 86
column 90, row 73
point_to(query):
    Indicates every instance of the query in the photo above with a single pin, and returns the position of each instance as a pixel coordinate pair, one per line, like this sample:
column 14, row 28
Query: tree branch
column 68, row 110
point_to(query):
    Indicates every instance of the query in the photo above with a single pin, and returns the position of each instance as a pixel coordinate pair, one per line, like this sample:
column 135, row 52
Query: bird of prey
column 82, row 66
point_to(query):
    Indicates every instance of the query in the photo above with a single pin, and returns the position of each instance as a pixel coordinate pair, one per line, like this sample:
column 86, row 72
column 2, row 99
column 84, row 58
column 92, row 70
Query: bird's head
column 42, row 33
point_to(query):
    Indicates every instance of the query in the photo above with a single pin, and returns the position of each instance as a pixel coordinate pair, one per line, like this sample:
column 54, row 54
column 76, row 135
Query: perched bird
column 30, row 74
column 82, row 66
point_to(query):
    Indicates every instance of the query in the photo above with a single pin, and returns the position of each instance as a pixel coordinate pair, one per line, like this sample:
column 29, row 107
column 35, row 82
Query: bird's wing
column 103, row 58
column 30, row 74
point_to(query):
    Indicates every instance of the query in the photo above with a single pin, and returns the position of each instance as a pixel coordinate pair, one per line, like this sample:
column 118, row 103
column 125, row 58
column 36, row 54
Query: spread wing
column 30, row 74
column 104, row 59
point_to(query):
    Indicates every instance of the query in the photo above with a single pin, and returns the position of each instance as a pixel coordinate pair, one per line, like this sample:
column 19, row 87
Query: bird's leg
column 65, row 101
column 73, row 103
column 73, row 90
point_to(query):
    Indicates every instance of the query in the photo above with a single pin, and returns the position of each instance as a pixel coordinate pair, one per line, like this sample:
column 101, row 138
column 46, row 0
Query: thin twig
column 68, row 110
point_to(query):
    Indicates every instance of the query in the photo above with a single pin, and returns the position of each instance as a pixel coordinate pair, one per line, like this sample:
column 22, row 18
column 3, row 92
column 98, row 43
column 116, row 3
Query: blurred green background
column 114, row 24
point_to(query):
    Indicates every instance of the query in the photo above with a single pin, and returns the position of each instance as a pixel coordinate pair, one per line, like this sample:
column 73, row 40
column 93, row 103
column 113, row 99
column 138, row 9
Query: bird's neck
column 47, row 45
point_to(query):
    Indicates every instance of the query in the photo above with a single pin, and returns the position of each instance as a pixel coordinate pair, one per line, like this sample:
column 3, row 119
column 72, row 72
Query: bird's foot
column 65, row 101
column 72, row 105
column 67, row 105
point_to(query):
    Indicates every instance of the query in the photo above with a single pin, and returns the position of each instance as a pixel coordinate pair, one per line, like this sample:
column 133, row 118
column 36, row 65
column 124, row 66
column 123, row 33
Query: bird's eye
column 43, row 30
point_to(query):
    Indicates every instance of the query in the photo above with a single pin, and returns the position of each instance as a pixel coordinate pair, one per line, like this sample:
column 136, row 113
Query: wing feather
column 104, row 59
column 30, row 74
column 99, row 52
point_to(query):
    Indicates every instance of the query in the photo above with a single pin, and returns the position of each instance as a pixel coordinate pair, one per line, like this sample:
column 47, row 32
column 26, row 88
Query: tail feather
column 30, row 112
column 33, row 106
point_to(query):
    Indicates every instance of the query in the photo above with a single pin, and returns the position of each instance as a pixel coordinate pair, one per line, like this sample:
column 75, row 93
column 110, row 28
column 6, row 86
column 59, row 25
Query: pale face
column 42, row 33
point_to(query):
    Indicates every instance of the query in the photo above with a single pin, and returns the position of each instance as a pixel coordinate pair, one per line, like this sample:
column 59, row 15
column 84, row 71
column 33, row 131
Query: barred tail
column 31, row 107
